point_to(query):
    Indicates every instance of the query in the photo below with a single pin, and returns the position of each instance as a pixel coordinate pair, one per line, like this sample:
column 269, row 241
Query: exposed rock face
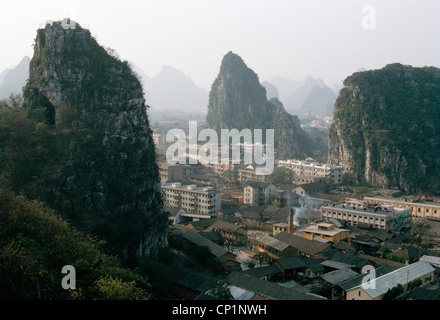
column 386, row 128
column 108, row 184
column 238, row 100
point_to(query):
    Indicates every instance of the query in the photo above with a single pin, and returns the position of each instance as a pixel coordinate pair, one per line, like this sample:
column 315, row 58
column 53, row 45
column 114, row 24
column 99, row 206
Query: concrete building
column 249, row 173
column 327, row 231
column 378, row 216
column 310, row 168
column 175, row 172
column 258, row 193
column 420, row 209
column 191, row 198
column 304, row 179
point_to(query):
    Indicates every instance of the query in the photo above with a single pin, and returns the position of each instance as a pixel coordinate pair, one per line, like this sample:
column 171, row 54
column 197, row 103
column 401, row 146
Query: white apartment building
column 310, row 168
column 420, row 209
column 378, row 216
column 191, row 198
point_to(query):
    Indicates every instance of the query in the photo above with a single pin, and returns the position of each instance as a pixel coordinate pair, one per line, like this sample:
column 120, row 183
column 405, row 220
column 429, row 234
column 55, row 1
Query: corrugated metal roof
column 272, row 242
column 400, row 276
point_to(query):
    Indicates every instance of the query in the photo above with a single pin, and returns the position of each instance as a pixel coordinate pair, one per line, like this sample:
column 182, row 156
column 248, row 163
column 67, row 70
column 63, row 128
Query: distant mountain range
column 171, row 89
column 12, row 80
column 301, row 97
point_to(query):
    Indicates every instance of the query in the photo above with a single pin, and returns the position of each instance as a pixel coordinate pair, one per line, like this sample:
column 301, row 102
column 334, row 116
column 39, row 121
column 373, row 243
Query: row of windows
column 344, row 215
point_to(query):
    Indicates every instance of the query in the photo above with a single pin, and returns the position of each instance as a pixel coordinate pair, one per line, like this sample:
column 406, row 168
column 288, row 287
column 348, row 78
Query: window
column 359, row 293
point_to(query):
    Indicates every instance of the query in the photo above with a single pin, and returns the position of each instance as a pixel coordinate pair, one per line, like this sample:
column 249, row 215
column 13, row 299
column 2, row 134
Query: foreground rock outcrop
column 386, row 128
column 106, row 180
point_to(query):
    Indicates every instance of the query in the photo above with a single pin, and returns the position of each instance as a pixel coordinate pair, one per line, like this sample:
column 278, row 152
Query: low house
column 309, row 188
column 333, row 279
column 201, row 224
column 433, row 261
column 340, row 293
column 188, row 285
column 290, row 266
column 327, row 231
column 354, row 262
column 227, row 264
column 265, row 290
column 310, row 248
column 416, row 274
column 264, row 273
column 273, row 247
column 231, row 233
column 285, row 199
column 314, row 268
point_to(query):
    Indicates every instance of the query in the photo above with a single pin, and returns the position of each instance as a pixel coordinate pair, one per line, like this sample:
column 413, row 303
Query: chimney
column 291, row 213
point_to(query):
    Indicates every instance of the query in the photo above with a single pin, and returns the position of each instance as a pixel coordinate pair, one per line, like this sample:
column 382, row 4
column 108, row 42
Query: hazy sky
column 322, row 38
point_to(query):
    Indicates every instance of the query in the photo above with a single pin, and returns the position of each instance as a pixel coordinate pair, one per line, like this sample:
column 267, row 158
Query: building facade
column 309, row 168
column 258, row 193
column 419, row 209
column 378, row 216
column 191, row 198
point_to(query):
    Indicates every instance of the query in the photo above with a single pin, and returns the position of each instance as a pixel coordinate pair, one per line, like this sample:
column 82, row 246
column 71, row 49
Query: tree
column 393, row 292
column 35, row 244
column 219, row 290
column 281, row 176
column 261, row 257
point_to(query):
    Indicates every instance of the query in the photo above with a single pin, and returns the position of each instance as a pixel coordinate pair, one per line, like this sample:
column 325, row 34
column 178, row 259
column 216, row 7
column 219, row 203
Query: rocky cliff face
column 238, row 100
column 107, row 181
column 386, row 129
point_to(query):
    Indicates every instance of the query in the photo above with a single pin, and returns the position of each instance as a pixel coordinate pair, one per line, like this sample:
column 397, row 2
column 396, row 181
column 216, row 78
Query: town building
column 232, row 234
column 378, row 216
column 309, row 189
column 191, row 198
column 310, row 168
column 273, row 247
column 420, row 272
column 258, row 193
column 327, row 231
column 249, row 173
column 305, row 179
column 420, row 209
column 175, row 172
column 309, row 248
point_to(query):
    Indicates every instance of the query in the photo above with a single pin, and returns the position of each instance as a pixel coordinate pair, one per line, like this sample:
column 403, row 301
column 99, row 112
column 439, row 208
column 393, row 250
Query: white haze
column 288, row 38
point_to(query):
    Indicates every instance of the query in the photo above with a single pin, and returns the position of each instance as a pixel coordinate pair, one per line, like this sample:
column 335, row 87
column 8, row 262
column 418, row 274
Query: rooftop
column 273, row 242
column 189, row 187
column 380, row 285
column 306, row 246
column 379, row 210
column 268, row 289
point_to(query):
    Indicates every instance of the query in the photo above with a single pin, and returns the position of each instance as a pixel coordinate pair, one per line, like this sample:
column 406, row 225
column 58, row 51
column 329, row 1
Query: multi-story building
column 220, row 167
column 258, row 193
column 191, row 198
column 175, row 172
column 378, row 216
column 309, row 168
column 249, row 173
column 420, row 209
